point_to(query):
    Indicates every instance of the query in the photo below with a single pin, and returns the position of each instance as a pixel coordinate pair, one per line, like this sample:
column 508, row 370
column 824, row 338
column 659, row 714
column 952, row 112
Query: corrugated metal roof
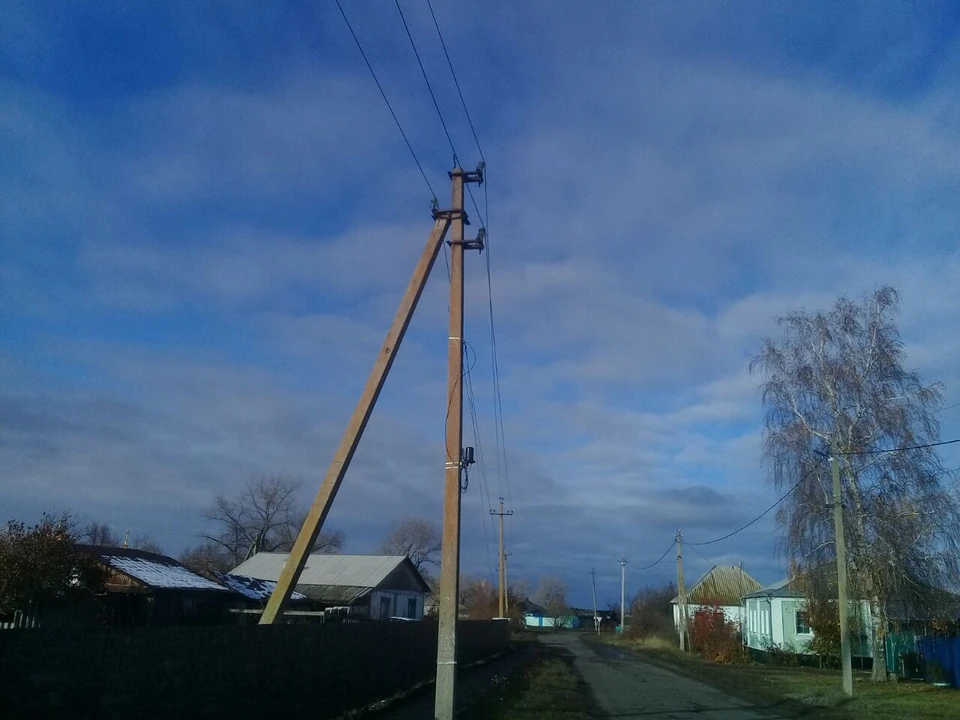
column 334, row 594
column 784, row 588
column 723, row 585
column 252, row 588
column 364, row 571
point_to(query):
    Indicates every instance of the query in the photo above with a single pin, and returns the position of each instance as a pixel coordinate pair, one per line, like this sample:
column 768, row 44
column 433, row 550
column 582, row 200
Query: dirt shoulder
column 807, row 692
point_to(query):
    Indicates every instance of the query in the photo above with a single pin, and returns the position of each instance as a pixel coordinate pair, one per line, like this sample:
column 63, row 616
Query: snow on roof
column 366, row 571
column 151, row 569
column 160, row 574
column 253, row 588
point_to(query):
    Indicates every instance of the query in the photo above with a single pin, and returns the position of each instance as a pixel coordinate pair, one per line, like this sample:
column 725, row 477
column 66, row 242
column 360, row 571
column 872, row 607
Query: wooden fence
column 314, row 670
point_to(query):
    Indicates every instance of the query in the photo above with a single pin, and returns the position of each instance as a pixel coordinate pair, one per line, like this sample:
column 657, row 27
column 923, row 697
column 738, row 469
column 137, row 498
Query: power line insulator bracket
column 476, row 244
column 451, row 215
column 469, row 176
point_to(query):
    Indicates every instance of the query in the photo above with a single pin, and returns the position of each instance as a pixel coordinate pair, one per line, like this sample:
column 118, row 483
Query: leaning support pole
column 355, row 427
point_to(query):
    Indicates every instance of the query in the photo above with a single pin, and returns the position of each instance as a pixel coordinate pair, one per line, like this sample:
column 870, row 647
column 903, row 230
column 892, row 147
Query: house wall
column 792, row 640
column 732, row 613
column 225, row 673
column 398, row 600
column 539, row 621
column 772, row 621
column 762, row 631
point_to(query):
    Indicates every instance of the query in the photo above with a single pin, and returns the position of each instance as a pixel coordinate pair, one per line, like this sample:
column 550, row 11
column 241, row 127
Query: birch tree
column 840, row 374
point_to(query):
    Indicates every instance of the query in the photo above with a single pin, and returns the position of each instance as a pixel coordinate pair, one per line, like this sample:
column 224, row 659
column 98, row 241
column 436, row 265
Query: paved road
column 624, row 686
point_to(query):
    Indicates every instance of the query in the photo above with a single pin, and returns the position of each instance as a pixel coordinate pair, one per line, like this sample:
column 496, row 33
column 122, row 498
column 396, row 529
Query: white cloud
column 658, row 196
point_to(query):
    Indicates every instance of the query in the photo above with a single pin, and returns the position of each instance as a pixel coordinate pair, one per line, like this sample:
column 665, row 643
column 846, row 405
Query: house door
column 384, row 608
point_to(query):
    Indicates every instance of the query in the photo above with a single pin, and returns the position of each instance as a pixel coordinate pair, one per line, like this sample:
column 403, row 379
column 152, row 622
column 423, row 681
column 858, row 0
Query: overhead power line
column 423, row 71
column 703, row 557
column 761, row 515
column 455, row 80
column 891, row 450
column 659, row 559
column 807, row 474
column 484, row 485
column 433, row 195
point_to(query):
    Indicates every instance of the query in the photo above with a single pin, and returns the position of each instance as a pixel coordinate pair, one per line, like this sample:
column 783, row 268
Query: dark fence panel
column 946, row 652
column 224, row 672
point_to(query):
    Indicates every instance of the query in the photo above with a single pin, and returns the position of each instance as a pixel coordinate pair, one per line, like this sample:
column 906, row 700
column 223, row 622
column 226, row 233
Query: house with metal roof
column 724, row 586
column 377, row 587
column 145, row 588
column 776, row 617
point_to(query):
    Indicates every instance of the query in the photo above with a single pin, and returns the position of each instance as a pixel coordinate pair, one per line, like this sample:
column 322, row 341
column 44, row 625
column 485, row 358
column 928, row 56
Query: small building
column 776, row 618
column 724, row 586
column 145, row 588
column 378, row 587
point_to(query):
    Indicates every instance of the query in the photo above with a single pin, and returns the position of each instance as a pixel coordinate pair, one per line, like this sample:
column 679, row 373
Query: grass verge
column 547, row 689
column 805, row 692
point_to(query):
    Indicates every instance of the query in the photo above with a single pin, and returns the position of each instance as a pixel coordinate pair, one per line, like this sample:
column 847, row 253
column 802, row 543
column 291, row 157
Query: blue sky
column 208, row 217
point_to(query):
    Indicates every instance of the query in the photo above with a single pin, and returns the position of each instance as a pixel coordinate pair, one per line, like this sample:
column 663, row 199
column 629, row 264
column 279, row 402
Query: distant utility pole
column 623, row 585
column 681, row 593
column 503, row 561
column 841, row 569
column 506, row 584
column 596, row 618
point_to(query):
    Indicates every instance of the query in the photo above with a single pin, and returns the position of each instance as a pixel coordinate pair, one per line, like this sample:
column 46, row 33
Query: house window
column 384, row 608
column 412, row 608
column 803, row 623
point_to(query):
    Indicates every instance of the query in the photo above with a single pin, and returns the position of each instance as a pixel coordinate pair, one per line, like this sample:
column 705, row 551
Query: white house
column 724, row 587
column 375, row 586
column 777, row 618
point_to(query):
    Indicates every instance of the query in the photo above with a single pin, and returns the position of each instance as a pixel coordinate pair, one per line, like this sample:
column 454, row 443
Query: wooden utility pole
column 623, row 586
column 503, row 560
column 358, row 422
column 596, row 618
column 446, row 701
column 843, row 609
column 681, row 593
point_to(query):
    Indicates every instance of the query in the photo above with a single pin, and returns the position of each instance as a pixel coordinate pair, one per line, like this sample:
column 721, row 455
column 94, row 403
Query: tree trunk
column 879, row 673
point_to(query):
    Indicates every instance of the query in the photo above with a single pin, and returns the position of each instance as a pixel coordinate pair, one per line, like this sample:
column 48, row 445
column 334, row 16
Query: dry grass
column 548, row 690
column 884, row 701
column 650, row 643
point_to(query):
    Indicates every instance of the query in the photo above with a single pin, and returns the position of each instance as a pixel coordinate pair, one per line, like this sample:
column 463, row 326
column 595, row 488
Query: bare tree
column 265, row 516
column 98, row 533
column 651, row 612
column 839, row 376
column 552, row 594
column 416, row 538
column 207, row 556
column 479, row 598
column 146, row 542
